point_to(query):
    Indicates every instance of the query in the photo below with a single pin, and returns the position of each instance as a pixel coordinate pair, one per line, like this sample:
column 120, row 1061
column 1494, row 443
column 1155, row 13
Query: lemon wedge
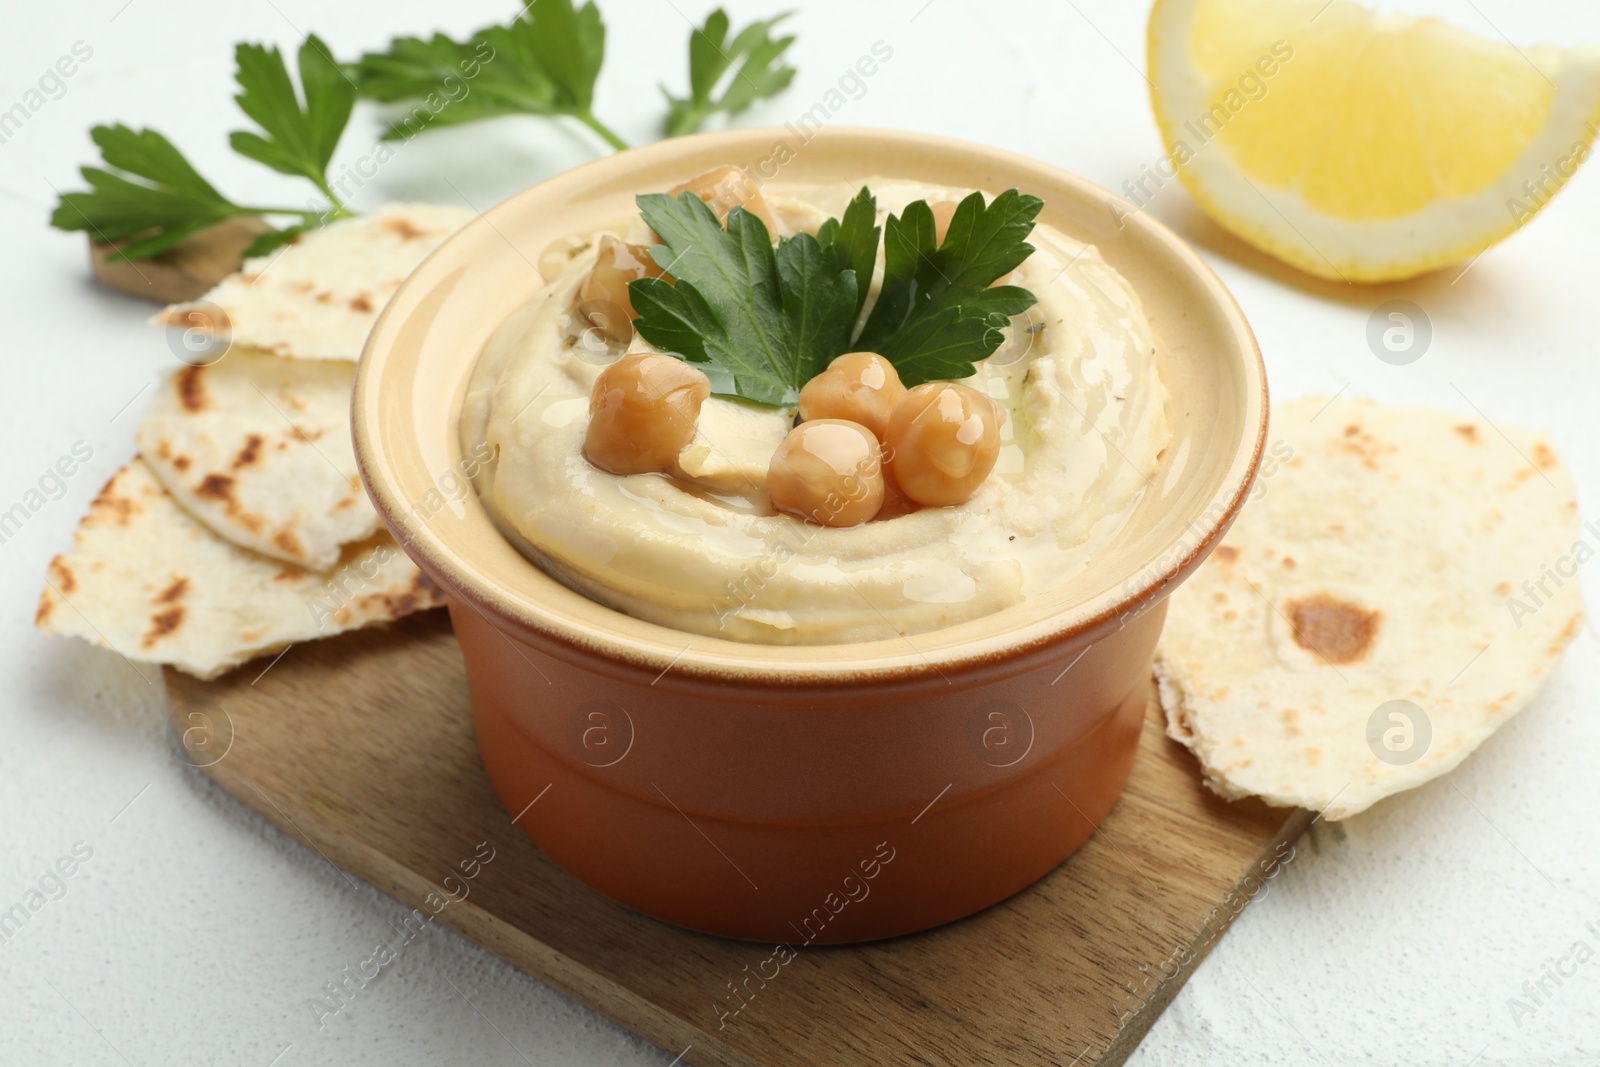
column 1359, row 146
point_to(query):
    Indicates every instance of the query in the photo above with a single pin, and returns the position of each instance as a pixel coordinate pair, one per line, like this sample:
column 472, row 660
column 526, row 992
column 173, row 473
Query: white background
column 197, row 933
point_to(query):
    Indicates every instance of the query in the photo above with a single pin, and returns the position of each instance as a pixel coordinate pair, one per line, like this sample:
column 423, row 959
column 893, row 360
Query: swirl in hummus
column 1083, row 413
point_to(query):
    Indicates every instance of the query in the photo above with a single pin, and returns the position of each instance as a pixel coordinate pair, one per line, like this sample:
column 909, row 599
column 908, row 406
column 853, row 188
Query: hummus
column 1084, row 424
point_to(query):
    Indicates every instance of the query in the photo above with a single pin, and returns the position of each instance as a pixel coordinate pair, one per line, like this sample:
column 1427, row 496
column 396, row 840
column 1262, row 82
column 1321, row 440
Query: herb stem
column 340, row 212
column 587, row 118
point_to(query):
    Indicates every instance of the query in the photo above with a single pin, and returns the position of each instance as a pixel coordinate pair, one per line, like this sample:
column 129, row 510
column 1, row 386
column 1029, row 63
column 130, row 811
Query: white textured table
column 194, row 933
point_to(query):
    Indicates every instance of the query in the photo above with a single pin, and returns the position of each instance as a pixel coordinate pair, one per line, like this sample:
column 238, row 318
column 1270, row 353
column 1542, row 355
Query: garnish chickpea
column 942, row 443
column 829, row 471
column 728, row 187
column 642, row 413
column 860, row 387
column 603, row 299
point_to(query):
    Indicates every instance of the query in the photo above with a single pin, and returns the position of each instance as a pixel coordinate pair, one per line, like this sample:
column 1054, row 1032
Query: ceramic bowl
column 822, row 793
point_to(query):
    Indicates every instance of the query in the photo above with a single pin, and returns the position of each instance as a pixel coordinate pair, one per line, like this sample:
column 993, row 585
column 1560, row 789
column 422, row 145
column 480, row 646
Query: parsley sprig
column 747, row 66
column 546, row 61
column 764, row 320
column 152, row 198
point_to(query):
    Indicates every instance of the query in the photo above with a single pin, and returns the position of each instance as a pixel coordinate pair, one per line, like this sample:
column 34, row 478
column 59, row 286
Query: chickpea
column 943, row 212
column 858, row 387
column 603, row 299
column 829, row 471
column 725, row 188
column 642, row 413
column 942, row 443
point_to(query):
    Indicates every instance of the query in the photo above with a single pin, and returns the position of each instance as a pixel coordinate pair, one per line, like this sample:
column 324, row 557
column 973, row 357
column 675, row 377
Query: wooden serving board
column 362, row 748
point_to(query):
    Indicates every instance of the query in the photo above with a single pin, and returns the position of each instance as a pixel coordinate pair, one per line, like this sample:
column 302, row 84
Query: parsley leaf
column 149, row 196
column 153, row 199
column 753, row 55
column 765, row 319
column 299, row 141
column 153, row 194
column 544, row 62
column 853, row 242
column 936, row 315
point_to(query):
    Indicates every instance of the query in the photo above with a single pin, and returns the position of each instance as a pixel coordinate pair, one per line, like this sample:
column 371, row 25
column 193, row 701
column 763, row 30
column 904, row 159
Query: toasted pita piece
column 146, row 579
column 258, row 448
column 319, row 297
column 1398, row 586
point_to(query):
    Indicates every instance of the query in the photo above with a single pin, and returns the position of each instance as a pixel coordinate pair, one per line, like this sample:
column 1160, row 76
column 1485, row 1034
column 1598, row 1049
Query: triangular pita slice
column 146, row 579
column 319, row 297
column 258, row 448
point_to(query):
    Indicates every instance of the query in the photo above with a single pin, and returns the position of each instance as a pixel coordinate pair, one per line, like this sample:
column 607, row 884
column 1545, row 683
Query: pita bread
column 1397, row 588
column 258, row 448
column 147, row 580
column 319, row 297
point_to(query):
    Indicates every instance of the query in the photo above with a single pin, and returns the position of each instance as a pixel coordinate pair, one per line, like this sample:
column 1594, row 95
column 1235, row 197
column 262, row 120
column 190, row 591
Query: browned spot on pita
column 173, row 592
column 1503, row 589
column 215, row 487
column 1220, row 598
column 288, row 542
column 1364, row 446
column 46, row 605
column 1229, row 615
column 249, row 279
column 1333, row 629
column 1227, row 553
column 1288, row 563
column 62, row 575
column 288, row 574
column 121, row 508
column 161, row 624
column 1568, row 632
column 181, row 462
column 191, row 391
column 163, row 451
column 324, row 297
column 248, row 454
column 301, row 287
column 1469, row 431
column 360, row 303
column 1313, row 756
column 1291, row 722
column 346, row 504
column 220, row 487
column 1543, row 457
column 403, row 229
column 401, row 604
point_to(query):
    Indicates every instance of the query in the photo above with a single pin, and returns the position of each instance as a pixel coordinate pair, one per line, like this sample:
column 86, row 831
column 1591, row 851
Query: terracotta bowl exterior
column 807, row 794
